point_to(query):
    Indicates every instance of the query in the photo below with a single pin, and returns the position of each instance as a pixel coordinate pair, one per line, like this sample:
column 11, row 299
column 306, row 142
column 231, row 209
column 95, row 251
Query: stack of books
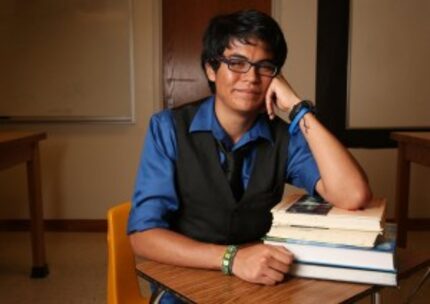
column 336, row 244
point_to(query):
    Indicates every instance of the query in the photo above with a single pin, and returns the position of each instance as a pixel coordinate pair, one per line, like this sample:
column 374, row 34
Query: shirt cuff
column 147, row 216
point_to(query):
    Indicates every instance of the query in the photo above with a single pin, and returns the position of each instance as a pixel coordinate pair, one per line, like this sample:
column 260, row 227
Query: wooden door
column 184, row 22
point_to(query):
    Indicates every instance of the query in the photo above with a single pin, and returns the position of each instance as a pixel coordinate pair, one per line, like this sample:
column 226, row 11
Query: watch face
column 308, row 104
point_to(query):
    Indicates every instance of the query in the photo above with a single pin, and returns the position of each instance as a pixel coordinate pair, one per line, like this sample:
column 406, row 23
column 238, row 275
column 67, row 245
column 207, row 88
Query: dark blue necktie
column 233, row 168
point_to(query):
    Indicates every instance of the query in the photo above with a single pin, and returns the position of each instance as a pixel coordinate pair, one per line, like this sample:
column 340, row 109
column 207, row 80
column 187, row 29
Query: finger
column 266, row 281
column 273, row 275
column 282, row 254
column 279, row 265
column 269, row 103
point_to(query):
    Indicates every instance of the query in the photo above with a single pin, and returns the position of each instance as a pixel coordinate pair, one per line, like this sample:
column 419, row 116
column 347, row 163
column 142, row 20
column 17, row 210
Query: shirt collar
column 205, row 121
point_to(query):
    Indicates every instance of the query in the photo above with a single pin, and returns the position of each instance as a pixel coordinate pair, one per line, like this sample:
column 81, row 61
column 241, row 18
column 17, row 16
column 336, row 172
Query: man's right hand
column 280, row 95
column 262, row 264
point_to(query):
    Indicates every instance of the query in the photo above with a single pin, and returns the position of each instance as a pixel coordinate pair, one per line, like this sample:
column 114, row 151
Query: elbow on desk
column 154, row 244
column 138, row 246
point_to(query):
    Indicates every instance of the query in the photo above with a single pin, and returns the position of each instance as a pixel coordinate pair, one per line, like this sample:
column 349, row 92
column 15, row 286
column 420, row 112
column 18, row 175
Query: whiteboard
column 389, row 66
column 66, row 60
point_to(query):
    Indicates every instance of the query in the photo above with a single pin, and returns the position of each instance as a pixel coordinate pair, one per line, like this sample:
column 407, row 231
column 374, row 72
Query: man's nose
column 252, row 74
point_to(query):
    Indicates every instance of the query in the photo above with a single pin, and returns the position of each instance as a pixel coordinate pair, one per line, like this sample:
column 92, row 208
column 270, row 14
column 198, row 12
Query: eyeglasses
column 241, row 65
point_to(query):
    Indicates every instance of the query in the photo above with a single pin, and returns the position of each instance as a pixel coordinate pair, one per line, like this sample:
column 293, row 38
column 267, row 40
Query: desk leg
column 40, row 267
column 419, row 285
column 402, row 195
column 376, row 297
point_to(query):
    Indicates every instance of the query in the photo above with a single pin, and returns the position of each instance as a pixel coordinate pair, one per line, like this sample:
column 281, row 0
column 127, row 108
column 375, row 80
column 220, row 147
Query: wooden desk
column 412, row 147
column 16, row 148
column 205, row 286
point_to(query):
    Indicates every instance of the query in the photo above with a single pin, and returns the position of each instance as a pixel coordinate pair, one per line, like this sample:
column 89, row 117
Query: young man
column 188, row 207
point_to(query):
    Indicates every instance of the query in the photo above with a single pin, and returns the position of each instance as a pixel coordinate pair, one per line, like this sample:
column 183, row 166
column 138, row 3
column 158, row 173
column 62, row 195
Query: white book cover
column 380, row 257
column 344, row 274
column 305, row 210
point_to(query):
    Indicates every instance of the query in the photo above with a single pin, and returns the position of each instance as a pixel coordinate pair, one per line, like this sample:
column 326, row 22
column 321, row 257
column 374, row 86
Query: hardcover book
column 305, row 210
column 381, row 257
column 355, row 275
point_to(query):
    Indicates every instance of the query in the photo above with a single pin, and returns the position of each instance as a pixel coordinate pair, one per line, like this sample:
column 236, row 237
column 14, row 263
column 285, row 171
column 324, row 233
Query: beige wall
column 88, row 168
column 298, row 20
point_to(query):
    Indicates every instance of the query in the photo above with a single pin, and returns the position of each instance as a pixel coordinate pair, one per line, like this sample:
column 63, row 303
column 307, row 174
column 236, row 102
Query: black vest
column 208, row 211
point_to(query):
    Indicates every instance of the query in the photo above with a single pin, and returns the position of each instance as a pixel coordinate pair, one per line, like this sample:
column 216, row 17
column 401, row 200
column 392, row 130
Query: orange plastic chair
column 123, row 287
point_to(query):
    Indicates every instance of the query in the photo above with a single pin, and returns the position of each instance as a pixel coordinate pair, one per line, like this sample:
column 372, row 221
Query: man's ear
column 210, row 73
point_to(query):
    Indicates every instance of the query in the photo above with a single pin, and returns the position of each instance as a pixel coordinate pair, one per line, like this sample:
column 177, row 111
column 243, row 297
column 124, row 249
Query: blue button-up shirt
column 155, row 195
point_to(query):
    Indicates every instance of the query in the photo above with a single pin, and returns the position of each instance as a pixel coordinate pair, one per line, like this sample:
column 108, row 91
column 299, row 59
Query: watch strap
column 299, row 106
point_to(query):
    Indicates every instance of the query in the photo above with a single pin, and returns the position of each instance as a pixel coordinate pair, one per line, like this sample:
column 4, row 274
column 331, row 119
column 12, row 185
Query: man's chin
column 251, row 108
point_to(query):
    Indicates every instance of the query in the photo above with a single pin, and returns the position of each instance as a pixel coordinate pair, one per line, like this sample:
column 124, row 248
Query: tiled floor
column 77, row 263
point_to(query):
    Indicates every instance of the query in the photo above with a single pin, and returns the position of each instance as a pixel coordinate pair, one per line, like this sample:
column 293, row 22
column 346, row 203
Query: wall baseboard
column 77, row 225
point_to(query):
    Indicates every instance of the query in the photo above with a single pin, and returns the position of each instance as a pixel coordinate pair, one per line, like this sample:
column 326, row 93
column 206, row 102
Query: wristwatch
column 299, row 106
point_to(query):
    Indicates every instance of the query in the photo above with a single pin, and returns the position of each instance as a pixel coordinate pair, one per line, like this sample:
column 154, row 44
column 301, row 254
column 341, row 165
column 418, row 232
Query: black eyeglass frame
column 257, row 65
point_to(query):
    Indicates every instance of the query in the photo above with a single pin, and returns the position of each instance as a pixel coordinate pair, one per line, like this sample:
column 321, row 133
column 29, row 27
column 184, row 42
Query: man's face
column 241, row 92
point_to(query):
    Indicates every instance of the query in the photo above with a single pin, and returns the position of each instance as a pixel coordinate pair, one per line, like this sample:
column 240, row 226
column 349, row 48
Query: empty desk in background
column 412, row 147
column 23, row 147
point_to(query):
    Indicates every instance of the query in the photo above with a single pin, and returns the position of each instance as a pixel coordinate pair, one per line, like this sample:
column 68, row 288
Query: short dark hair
column 242, row 25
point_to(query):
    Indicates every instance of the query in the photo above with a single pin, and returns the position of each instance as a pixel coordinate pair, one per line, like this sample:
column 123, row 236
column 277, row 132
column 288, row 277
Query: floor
column 77, row 263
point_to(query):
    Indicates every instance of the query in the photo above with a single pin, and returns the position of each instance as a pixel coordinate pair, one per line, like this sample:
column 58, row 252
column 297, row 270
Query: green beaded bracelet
column 227, row 259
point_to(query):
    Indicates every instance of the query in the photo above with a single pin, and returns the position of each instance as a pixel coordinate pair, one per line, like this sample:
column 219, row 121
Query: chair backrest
column 122, row 282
